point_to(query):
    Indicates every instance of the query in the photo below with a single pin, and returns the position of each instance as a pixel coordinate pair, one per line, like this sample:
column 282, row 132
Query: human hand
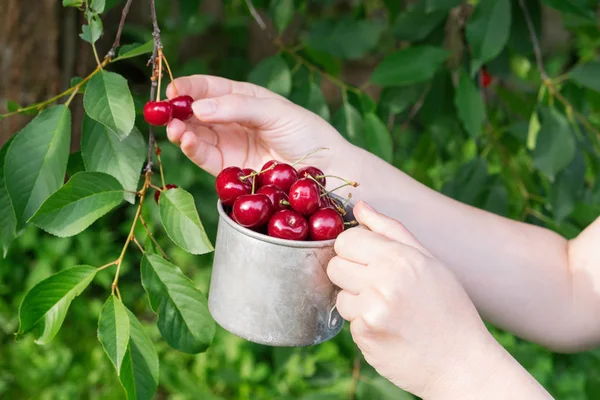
column 408, row 314
column 238, row 123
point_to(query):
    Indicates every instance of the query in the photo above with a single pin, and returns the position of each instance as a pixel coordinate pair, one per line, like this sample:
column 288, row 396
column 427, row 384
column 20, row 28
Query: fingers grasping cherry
column 182, row 107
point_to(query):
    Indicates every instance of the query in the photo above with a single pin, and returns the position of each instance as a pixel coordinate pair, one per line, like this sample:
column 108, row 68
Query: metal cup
column 272, row 291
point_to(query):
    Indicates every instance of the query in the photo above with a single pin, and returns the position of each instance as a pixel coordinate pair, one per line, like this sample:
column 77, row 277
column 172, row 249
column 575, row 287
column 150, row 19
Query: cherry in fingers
column 252, row 210
column 167, row 187
column 314, row 172
column 281, row 175
column 305, row 196
column 325, row 224
column 158, row 113
column 230, row 185
column 288, row 224
column 277, row 196
column 182, row 107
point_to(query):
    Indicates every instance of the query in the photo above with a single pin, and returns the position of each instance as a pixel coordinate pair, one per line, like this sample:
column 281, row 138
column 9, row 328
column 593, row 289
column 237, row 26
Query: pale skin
column 411, row 286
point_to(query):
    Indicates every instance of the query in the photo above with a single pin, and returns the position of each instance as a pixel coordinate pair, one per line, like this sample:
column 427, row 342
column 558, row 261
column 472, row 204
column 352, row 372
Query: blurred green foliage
column 510, row 148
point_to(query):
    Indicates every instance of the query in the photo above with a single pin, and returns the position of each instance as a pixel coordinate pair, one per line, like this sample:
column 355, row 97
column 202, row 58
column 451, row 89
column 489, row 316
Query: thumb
column 242, row 109
column 386, row 226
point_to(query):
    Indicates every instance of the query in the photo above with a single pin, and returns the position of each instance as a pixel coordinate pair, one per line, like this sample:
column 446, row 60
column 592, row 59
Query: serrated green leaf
column 416, row 22
column 378, row 138
column 469, row 105
column 412, row 65
column 36, row 161
column 555, row 146
column 98, row 6
column 134, row 50
column 181, row 221
column 114, row 330
column 348, row 121
column 8, row 220
column 183, row 317
column 86, row 197
column 282, row 12
column 570, row 7
column 46, row 304
column 108, row 100
column 92, row 31
column 311, row 97
column 345, row 38
column 72, row 3
column 274, row 74
column 140, row 369
column 102, row 151
column 488, row 30
column 587, row 75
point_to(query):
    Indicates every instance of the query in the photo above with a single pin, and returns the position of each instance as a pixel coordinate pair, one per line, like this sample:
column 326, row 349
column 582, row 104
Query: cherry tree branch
column 112, row 52
column 154, row 84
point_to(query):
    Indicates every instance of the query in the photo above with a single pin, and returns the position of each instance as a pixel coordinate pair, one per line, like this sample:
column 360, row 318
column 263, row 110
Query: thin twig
column 112, row 52
column 134, row 240
column 355, row 376
column 110, row 264
column 151, row 236
column 160, row 167
column 154, row 84
column 257, row 17
column 537, row 49
column 96, row 55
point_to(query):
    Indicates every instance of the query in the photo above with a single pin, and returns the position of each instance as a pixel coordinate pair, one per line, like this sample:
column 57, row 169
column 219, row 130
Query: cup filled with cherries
column 276, row 235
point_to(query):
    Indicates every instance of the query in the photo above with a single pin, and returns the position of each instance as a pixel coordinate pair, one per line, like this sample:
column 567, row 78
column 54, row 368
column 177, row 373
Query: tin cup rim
column 269, row 239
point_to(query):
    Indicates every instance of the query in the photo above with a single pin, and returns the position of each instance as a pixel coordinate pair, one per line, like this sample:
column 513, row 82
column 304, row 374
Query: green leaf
column 408, row 66
column 92, row 32
column 570, row 7
column 274, row 74
column 181, row 221
column 8, row 220
column 46, row 304
column 378, row 138
column 108, row 100
column 139, row 370
column 98, row 6
column 416, row 23
column 134, row 50
column 488, row 30
column 114, row 330
column 497, row 199
column 311, row 97
column 183, row 317
column 347, row 120
column 587, row 75
column 36, row 161
column 12, row 106
column 441, row 5
column 72, row 3
column 555, row 146
column 75, row 164
column 469, row 105
column 344, row 37
column 568, row 188
column 282, row 12
column 102, row 151
column 86, row 197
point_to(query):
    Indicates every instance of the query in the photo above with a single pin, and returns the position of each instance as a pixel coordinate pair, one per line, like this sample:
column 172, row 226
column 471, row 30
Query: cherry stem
column 345, row 204
column 351, row 223
column 308, row 155
column 309, row 176
column 351, row 183
column 134, row 240
column 160, row 167
column 338, row 188
column 160, row 59
column 257, row 172
column 151, row 236
column 284, row 202
column 170, row 74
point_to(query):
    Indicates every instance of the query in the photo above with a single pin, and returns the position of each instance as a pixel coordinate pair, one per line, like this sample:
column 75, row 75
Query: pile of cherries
column 281, row 201
column 160, row 113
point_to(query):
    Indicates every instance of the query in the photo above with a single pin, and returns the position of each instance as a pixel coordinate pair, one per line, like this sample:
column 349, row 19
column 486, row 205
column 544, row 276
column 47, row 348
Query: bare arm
column 523, row 278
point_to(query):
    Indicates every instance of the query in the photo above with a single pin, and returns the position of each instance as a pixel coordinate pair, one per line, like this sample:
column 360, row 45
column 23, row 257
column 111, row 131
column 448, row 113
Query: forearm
column 514, row 272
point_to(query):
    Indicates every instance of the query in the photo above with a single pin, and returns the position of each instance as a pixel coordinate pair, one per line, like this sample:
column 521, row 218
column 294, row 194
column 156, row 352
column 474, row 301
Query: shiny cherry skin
column 248, row 171
column 288, row 224
column 182, row 107
column 167, row 187
column 158, row 113
column 325, row 201
column 314, row 172
column 252, row 210
column 277, row 196
column 282, row 175
column 230, row 186
column 305, row 196
column 325, row 224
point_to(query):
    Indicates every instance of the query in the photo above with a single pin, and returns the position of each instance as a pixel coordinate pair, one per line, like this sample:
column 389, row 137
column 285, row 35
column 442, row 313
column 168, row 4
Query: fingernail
column 204, row 107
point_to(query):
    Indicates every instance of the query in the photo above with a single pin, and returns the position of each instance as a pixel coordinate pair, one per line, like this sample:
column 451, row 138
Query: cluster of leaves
column 525, row 147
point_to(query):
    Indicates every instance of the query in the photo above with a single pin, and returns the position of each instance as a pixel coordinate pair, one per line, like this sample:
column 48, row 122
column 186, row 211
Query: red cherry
column 248, row 171
column 230, row 186
column 314, row 172
column 288, row 224
column 325, row 224
column 282, row 175
column 304, row 196
column 252, row 210
column 167, row 186
column 486, row 78
column 158, row 113
column 182, row 107
column 325, row 201
column 276, row 196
